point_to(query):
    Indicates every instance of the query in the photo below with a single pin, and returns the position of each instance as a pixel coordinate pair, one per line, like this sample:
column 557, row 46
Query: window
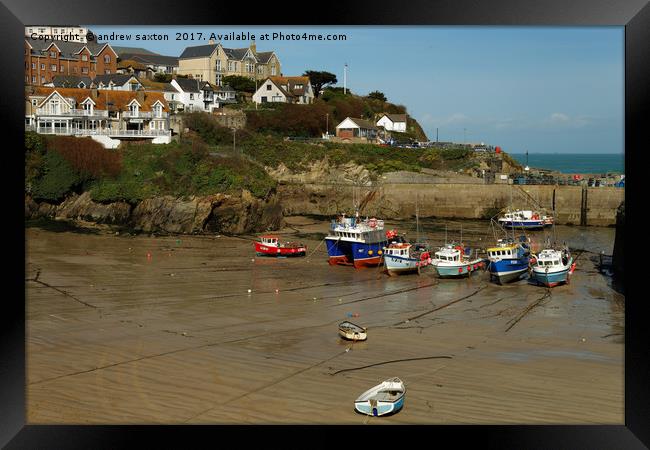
column 272, row 69
column 41, row 30
column 107, row 58
column 33, row 65
column 52, row 54
column 56, row 31
column 191, row 96
column 268, row 87
column 107, row 72
column 42, row 66
column 84, row 57
column 42, row 80
column 62, row 30
column 264, row 99
column 61, row 69
column 260, row 70
column 53, row 67
column 33, row 79
column 218, row 65
column 84, row 70
column 218, row 80
column 74, row 69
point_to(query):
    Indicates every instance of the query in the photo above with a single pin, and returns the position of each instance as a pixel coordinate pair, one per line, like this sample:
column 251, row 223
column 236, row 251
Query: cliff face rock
column 215, row 213
column 323, row 172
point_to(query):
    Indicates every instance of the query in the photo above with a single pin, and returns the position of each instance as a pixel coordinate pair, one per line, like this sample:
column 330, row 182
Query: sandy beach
column 126, row 329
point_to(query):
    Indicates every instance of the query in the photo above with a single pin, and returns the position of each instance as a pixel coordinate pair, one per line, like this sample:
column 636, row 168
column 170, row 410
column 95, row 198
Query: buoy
column 277, row 290
column 249, row 291
column 252, row 259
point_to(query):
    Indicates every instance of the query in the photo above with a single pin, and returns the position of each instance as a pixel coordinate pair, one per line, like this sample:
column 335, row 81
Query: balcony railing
column 72, row 112
column 143, row 115
column 98, row 132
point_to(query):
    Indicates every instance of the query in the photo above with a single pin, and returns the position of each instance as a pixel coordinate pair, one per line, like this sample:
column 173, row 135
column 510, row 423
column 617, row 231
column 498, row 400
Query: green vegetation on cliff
column 57, row 165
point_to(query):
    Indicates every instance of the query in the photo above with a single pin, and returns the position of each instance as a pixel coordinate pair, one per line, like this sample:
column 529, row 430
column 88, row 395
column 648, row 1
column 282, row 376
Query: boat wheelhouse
column 553, row 267
column 404, row 257
column 352, row 241
column 454, row 261
column 508, row 260
column 270, row 245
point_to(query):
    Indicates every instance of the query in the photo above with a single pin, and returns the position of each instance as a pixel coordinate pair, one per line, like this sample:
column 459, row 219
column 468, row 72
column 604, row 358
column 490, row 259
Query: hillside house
column 286, row 90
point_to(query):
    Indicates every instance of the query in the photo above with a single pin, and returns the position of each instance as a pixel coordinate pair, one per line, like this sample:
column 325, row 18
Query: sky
column 535, row 89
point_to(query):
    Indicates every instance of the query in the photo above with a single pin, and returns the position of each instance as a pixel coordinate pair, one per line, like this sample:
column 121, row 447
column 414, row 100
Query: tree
column 162, row 77
column 239, row 83
column 319, row 80
column 377, row 95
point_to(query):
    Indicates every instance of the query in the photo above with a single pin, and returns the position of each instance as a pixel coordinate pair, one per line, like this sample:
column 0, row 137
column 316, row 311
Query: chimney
column 211, row 42
column 253, row 47
column 139, row 95
column 93, row 93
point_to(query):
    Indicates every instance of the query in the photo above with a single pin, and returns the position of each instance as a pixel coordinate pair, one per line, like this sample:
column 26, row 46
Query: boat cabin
column 448, row 254
column 398, row 249
column 270, row 241
column 502, row 252
column 551, row 258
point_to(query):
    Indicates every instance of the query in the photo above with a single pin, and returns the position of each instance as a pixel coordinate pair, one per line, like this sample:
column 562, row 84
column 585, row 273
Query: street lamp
column 327, row 125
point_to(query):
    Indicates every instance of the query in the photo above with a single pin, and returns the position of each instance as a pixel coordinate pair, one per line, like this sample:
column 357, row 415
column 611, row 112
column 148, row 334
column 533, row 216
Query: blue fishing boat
column 356, row 242
column 509, row 260
column 553, row 267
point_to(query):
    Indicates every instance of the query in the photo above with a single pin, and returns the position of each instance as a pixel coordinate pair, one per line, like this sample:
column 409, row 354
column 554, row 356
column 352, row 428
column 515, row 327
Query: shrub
column 58, row 178
column 207, row 128
column 86, row 156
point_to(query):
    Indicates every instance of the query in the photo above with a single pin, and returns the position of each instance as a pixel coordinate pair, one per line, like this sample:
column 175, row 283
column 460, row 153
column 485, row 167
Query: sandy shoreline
column 116, row 337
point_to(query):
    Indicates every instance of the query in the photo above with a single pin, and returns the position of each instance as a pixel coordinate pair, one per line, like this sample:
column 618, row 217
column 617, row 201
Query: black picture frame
column 633, row 15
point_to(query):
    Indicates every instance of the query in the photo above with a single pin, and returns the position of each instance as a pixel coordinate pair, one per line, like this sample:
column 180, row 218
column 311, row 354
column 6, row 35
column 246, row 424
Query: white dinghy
column 385, row 398
column 352, row 332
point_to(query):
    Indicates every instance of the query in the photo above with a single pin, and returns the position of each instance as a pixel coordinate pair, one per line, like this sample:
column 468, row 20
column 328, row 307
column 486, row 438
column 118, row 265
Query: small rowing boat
column 352, row 332
column 385, row 398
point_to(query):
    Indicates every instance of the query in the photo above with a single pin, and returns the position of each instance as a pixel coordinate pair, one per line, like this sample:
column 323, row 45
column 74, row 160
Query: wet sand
column 115, row 336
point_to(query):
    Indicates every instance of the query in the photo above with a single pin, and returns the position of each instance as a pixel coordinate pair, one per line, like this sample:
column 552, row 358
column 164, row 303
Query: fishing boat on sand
column 509, row 260
column 352, row 332
column 270, row 245
column 454, row 261
column 405, row 257
column 526, row 219
column 385, row 398
column 553, row 267
column 356, row 242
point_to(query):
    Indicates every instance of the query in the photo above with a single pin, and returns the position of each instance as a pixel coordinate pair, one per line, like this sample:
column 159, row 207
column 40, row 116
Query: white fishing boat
column 404, row 257
column 454, row 261
column 553, row 266
column 352, row 332
column 385, row 398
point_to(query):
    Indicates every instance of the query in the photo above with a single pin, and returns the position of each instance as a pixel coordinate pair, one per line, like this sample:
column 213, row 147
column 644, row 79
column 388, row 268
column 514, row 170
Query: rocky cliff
column 222, row 213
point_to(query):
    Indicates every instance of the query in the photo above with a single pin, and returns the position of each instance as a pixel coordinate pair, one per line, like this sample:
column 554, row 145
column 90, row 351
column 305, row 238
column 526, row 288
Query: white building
column 351, row 128
column 74, row 33
column 393, row 122
column 197, row 95
column 285, row 90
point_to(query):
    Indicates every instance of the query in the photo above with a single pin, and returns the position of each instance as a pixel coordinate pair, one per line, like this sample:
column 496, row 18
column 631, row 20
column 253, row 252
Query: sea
column 584, row 163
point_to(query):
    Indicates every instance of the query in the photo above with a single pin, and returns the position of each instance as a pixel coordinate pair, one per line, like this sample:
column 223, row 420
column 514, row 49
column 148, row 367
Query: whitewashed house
column 356, row 129
column 393, row 122
column 197, row 95
column 285, row 90
column 104, row 115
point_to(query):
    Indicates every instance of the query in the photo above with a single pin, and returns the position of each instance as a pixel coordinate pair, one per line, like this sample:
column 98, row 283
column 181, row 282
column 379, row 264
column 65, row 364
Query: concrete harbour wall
column 573, row 204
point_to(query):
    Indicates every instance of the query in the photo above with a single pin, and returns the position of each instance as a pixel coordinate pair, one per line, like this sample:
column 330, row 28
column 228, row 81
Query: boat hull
column 526, row 224
column 458, row 270
column 552, row 279
column 396, row 265
column 265, row 250
column 379, row 408
column 358, row 254
column 508, row 270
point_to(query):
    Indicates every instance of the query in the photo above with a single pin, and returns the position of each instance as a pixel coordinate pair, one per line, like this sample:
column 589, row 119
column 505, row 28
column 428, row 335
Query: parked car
column 591, row 182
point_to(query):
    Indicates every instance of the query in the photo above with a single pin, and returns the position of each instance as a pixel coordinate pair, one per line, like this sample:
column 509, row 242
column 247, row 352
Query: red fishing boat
column 270, row 245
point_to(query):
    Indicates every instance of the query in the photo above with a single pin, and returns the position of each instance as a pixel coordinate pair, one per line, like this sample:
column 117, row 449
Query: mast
column 417, row 219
